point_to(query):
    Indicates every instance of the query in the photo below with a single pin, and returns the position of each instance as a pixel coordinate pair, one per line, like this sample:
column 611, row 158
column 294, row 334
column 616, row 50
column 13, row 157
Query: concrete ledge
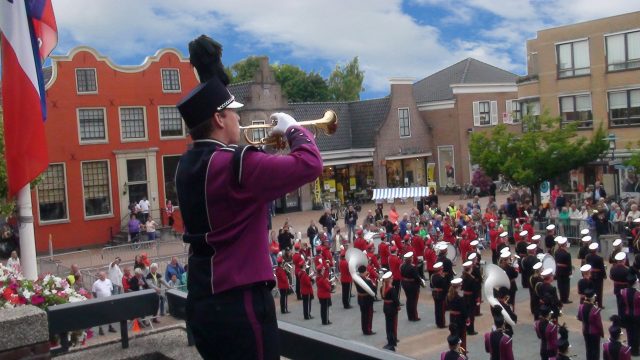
column 27, row 325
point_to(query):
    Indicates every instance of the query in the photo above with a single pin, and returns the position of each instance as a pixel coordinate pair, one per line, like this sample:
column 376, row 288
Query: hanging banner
column 352, row 183
column 316, row 191
column 431, row 172
column 545, row 192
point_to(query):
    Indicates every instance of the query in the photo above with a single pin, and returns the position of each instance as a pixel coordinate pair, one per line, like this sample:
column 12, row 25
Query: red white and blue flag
column 29, row 34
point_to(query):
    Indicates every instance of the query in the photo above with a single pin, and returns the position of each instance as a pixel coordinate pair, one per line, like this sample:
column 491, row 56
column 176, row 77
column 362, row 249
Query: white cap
column 585, row 267
column 504, row 234
column 467, row 264
column 341, row 247
column 472, row 256
column 505, row 254
column 636, row 220
column 584, row 232
column 620, row 256
column 524, row 233
column 536, row 237
column 532, row 247
column 557, row 238
column 387, row 275
column 586, row 238
column 408, row 255
column 504, row 249
column 474, row 243
column 562, row 240
column 551, row 227
column 617, row 242
column 437, row 265
column 546, row 272
column 443, row 247
column 593, row 246
column 456, row 281
column 540, row 256
column 537, row 265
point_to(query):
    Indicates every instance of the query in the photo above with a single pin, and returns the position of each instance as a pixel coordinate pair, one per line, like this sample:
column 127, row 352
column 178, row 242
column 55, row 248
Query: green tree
column 243, row 70
column 298, row 86
column 634, row 159
column 345, row 83
column 547, row 149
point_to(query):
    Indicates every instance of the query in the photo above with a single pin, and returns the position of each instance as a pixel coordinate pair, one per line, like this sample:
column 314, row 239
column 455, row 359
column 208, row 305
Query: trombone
column 328, row 124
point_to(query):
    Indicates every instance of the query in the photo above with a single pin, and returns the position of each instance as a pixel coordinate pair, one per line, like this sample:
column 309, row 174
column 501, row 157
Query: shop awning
column 407, row 156
column 400, row 193
column 346, row 161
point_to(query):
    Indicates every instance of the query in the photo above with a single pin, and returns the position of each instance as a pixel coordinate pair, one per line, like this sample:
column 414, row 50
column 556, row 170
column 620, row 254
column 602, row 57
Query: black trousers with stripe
column 217, row 320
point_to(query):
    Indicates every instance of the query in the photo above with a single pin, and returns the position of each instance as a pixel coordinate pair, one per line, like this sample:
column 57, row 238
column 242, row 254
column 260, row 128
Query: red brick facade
column 94, row 204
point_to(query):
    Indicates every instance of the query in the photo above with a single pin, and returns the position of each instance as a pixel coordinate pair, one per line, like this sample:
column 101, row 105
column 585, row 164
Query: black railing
column 96, row 312
column 297, row 342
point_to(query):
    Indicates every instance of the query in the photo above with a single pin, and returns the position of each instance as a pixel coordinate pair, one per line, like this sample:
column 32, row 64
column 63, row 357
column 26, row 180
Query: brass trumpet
column 328, row 124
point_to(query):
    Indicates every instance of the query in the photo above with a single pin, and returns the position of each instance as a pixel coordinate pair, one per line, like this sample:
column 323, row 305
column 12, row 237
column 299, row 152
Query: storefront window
column 394, row 173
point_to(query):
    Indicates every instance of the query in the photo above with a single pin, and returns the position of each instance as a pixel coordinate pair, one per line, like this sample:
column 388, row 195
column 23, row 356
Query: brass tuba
column 355, row 258
column 496, row 278
column 328, row 124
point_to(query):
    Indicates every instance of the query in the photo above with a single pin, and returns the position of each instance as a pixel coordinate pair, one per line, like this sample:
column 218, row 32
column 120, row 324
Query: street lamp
column 612, row 145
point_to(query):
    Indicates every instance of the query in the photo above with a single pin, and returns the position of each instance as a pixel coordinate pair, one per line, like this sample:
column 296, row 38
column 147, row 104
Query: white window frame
column 573, row 68
column 184, row 130
column 606, row 53
column 164, row 185
column 574, row 95
column 84, row 210
column 408, row 123
column 66, row 200
column 508, row 116
column 179, row 90
column 626, row 90
column 104, row 120
column 146, row 128
column 493, row 113
column 95, row 72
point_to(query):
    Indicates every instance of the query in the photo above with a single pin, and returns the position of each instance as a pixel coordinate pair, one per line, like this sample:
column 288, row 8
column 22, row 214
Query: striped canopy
column 400, row 193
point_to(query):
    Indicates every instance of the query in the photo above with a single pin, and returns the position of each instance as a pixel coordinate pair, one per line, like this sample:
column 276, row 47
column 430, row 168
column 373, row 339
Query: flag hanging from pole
column 29, row 33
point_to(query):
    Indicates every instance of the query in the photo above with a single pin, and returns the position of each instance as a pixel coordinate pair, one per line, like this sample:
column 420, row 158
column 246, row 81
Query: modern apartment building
column 589, row 73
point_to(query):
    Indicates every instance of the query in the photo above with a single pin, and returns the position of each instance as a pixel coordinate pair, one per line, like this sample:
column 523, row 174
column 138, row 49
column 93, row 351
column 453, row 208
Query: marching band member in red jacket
column 345, row 280
column 324, row 294
column 283, row 286
column 306, row 289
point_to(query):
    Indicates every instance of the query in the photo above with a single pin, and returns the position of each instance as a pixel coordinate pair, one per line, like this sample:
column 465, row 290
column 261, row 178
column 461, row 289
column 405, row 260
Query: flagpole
column 28, row 262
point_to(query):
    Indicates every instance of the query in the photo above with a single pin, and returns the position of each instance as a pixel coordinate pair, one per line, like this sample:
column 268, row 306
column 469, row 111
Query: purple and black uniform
column 224, row 192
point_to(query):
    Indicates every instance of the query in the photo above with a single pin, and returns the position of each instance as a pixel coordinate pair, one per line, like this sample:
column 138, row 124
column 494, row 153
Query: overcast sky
column 412, row 38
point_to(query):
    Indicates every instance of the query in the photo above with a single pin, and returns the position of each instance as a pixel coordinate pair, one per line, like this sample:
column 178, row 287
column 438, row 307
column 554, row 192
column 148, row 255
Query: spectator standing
column 173, row 268
column 102, row 288
column 125, row 280
column 560, row 200
column 274, row 247
column 312, row 232
column 156, row 282
column 285, row 239
column 134, row 226
column 393, row 214
column 599, row 192
column 169, row 210
column 350, row 220
column 144, row 208
column 74, row 276
column 150, row 227
column 14, row 262
column 115, row 275
column 185, row 276
column 327, row 221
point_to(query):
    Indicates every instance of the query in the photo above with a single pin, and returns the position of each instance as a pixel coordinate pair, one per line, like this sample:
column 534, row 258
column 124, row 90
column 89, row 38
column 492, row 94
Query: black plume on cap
column 563, row 332
column 615, row 328
column 453, row 340
column 205, row 54
column 496, row 310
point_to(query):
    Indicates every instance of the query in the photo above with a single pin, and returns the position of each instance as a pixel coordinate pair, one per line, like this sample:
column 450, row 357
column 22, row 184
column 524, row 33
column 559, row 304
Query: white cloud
column 387, row 41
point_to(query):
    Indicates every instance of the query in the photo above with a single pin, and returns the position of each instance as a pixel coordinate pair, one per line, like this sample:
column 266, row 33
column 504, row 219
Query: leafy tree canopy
column 634, row 160
column 344, row 83
column 547, row 149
